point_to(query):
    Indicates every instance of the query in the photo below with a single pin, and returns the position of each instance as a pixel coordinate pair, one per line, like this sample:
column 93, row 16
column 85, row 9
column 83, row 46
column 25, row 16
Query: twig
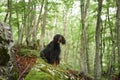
column 25, row 70
column 19, row 59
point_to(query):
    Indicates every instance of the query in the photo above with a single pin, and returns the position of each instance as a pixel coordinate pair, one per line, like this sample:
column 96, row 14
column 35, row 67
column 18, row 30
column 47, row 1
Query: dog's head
column 59, row 39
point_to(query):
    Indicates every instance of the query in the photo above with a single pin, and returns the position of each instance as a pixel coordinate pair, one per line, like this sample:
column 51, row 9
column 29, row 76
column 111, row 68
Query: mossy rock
column 4, row 57
column 6, row 53
column 44, row 71
column 38, row 76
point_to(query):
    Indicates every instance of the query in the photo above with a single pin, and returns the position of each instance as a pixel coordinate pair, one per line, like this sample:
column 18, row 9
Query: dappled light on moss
column 38, row 76
column 42, row 70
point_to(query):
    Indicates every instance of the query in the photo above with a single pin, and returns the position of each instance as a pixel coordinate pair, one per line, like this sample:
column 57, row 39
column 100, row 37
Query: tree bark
column 118, row 30
column 19, row 27
column 34, row 34
column 10, row 13
column 39, row 18
column 112, row 33
column 84, row 61
column 97, row 63
column 27, row 23
column 43, row 24
column 64, row 55
column 8, row 10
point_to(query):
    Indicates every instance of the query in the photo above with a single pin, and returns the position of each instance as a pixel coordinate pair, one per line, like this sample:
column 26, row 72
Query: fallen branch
column 19, row 59
column 26, row 69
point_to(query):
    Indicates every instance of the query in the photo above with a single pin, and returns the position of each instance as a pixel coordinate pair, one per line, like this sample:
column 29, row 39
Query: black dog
column 52, row 50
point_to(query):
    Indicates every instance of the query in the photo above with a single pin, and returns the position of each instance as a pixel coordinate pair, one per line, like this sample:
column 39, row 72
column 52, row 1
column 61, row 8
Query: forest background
column 91, row 29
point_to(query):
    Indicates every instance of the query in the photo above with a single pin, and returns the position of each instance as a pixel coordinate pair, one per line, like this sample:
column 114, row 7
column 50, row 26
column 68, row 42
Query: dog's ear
column 63, row 40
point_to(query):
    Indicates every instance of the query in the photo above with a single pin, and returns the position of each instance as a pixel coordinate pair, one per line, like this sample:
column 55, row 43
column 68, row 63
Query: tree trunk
column 64, row 55
column 39, row 18
column 34, row 34
column 8, row 10
column 19, row 27
column 112, row 33
column 97, row 63
column 27, row 23
column 43, row 24
column 84, row 61
column 118, row 30
column 102, row 46
column 10, row 13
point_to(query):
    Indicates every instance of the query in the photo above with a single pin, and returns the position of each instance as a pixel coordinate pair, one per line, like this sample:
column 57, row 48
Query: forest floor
column 24, row 61
column 24, row 64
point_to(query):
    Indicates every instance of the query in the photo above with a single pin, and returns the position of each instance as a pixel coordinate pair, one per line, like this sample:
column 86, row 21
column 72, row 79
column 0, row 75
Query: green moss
column 28, row 52
column 44, row 71
column 15, row 73
column 38, row 76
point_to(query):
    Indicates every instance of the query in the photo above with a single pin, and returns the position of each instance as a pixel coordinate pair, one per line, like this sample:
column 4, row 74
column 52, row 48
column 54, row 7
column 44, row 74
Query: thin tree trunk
column 6, row 17
column 18, row 25
column 43, row 24
column 34, row 34
column 32, row 21
column 39, row 18
column 8, row 11
column 118, row 30
column 102, row 47
column 97, row 64
column 64, row 33
column 113, row 56
column 28, row 22
column 84, row 61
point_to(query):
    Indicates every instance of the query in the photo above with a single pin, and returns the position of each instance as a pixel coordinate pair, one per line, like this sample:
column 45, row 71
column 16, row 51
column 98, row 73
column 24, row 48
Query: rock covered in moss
column 6, row 56
column 44, row 71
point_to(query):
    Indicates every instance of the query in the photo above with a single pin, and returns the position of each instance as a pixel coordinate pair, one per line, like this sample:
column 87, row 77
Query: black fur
column 52, row 51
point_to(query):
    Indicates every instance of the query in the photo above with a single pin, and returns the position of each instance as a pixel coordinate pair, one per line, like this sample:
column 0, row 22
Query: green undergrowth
column 28, row 52
column 44, row 71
